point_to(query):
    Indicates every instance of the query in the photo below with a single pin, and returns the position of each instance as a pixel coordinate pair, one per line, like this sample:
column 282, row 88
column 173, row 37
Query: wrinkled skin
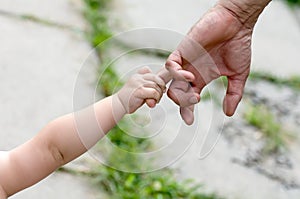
column 218, row 45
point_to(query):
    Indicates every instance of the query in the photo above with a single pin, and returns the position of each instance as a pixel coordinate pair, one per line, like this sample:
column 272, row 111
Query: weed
column 292, row 82
column 121, row 185
column 41, row 21
column 263, row 119
column 127, row 142
column 109, row 81
column 294, row 2
column 95, row 14
column 157, row 185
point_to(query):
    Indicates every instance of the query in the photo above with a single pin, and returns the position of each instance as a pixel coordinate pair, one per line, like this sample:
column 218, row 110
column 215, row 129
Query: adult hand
column 218, row 45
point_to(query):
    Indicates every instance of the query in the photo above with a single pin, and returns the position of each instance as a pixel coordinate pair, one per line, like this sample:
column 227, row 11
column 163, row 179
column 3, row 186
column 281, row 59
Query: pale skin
column 225, row 33
column 59, row 142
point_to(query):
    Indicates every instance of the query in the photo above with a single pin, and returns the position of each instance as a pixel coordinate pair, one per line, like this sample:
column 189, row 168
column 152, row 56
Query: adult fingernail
column 193, row 100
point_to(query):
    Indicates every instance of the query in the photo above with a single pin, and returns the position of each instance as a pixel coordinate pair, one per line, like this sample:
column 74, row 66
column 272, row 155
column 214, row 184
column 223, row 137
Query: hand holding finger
column 183, row 94
column 150, row 102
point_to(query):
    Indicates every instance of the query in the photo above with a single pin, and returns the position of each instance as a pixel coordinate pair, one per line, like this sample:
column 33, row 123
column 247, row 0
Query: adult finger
column 183, row 94
column 233, row 95
column 185, row 75
column 174, row 61
column 187, row 114
column 174, row 64
column 166, row 76
column 151, row 103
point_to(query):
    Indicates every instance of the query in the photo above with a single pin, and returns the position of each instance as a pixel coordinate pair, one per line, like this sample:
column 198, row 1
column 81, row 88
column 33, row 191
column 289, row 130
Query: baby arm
column 62, row 140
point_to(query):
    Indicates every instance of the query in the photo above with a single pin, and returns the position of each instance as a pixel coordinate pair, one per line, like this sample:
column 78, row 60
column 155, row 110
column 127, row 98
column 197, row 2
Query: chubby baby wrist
column 118, row 104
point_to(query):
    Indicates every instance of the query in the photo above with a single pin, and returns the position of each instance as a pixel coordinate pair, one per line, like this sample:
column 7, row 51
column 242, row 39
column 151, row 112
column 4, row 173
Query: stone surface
column 205, row 160
column 63, row 12
column 276, row 41
column 60, row 185
column 217, row 171
column 39, row 68
column 177, row 15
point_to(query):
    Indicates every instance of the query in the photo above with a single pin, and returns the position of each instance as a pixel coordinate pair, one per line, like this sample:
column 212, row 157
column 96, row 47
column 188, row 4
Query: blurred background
column 45, row 45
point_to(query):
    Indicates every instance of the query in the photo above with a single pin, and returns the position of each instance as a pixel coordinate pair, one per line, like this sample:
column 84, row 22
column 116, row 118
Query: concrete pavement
column 39, row 67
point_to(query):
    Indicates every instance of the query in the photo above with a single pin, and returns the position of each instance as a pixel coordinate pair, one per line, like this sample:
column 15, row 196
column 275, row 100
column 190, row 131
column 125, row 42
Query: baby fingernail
column 193, row 100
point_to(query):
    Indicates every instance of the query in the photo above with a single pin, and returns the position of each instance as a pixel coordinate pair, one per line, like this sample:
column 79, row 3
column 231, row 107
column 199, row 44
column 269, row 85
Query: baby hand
column 140, row 87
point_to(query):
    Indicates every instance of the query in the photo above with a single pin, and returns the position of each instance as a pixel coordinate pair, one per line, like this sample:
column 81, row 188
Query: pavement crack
column 38, row 20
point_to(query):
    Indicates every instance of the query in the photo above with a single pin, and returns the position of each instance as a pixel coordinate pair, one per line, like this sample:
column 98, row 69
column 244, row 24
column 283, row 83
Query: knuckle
column 154, row 92
column 169, row 63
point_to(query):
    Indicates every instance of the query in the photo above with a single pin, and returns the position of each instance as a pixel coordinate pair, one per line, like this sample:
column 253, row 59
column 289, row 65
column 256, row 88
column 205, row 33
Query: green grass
column 95, row 13
column 109, row 81
column 157, row 185
column 292, row 82
column 293, row 2
column 117, row 184
column 264, row 120
column 277, row 137
column 41, row 21
column 127, row 142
